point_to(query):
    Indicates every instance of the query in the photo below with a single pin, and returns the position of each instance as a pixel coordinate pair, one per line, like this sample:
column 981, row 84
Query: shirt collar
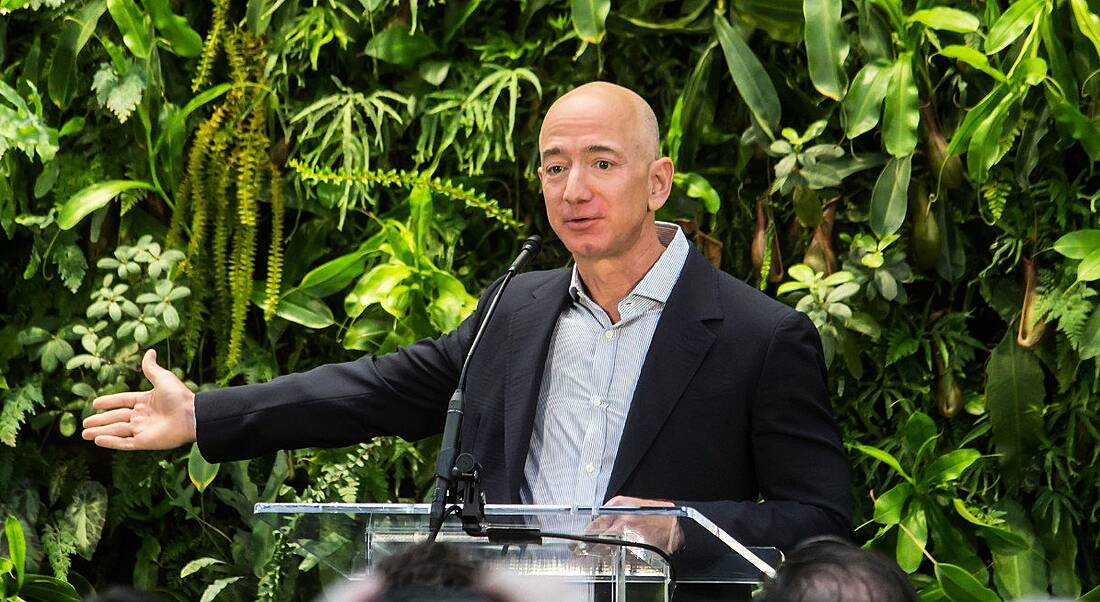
column 658, row 282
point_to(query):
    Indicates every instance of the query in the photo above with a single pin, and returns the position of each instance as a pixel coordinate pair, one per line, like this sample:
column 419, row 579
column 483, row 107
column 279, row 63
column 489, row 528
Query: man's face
column 597, row 180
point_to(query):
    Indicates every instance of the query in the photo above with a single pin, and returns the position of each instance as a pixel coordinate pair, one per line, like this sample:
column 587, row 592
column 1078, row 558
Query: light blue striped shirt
column 591, row 371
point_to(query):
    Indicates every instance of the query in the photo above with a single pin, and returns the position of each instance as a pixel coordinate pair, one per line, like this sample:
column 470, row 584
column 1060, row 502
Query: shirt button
column 590, row 468
column 609, row 333
column 596, row 401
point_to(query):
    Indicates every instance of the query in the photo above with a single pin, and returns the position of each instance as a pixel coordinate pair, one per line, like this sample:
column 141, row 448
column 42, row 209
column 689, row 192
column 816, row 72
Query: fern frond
column 211, row 45
column 409, row 180
column 275, row 254
column 18, row 406
column 1067, row 302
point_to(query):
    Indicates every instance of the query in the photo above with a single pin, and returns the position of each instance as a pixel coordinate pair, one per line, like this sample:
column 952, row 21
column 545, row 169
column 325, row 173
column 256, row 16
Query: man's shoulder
column 744, row 303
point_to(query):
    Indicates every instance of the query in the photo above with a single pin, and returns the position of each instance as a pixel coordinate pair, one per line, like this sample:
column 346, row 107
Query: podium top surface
column 411, row 520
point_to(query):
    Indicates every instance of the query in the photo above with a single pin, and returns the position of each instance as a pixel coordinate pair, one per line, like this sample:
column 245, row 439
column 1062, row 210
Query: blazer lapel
column 679, row 344
column 530, row 327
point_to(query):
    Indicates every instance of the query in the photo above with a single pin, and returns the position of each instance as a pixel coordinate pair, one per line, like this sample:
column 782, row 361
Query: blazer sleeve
column 403, row 393
column 799, row 459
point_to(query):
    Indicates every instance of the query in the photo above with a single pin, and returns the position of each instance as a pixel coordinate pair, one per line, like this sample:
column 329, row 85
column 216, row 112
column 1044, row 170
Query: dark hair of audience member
column 835, row 570
column 432, row 572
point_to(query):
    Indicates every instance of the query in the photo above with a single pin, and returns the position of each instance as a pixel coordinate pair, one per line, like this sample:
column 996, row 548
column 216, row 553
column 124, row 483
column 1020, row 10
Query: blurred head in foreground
column 439, row 572
column 834, row 570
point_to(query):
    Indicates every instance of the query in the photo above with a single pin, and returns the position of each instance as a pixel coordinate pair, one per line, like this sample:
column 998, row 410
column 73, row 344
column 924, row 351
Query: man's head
column 833, row 570
column 601, row 172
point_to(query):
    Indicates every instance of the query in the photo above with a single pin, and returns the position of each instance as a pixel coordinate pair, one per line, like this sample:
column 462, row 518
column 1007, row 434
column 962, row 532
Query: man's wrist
column 191, row 421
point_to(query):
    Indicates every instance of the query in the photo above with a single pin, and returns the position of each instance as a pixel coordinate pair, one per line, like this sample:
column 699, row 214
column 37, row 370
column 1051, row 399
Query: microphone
column 527, row 252
column 452, row 427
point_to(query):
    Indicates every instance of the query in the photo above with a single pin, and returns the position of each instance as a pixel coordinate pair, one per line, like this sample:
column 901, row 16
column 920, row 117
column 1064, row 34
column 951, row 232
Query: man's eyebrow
column 601, row 148
column 550, row 152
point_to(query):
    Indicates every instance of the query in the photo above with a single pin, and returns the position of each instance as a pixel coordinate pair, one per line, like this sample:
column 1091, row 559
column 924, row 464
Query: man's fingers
column 152, row 370
column 113, row 442
column 118, row 429
column 111, row 417
column 119, row 400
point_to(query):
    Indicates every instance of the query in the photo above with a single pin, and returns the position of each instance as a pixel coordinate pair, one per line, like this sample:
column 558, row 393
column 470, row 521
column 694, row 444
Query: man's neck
column 610, row 280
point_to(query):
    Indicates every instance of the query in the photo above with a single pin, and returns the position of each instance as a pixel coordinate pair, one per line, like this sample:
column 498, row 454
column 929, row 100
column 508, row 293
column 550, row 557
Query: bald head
column 615, row 103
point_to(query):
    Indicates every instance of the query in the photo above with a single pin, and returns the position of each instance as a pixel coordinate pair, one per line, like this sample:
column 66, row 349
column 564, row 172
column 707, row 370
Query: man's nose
column 576, row 187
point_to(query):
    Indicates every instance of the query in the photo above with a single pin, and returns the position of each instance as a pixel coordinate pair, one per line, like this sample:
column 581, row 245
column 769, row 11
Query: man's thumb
column 152, row 370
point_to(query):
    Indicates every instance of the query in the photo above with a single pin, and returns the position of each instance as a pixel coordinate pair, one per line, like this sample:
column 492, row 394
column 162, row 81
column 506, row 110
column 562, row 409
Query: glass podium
column 348, row 540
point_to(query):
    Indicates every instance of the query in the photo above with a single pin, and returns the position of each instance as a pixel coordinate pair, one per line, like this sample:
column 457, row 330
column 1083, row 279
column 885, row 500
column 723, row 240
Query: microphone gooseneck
column 445, row 468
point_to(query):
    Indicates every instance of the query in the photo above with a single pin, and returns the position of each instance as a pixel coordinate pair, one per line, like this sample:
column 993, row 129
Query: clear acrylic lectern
column 350, row 539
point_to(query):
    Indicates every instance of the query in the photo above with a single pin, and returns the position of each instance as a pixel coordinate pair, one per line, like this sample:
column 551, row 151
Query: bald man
column 640, row 376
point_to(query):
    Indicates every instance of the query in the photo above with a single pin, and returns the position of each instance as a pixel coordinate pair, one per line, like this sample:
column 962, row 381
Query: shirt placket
column 594, row 442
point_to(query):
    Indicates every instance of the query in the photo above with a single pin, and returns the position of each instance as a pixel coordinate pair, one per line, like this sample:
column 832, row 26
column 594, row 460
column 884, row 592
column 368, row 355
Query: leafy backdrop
column 257, row 187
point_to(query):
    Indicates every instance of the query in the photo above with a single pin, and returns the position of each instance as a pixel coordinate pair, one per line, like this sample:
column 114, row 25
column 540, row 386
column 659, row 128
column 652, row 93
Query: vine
column 409, row 180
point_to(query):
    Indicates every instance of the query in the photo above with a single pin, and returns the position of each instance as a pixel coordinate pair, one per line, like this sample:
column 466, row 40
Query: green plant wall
column 254, row 187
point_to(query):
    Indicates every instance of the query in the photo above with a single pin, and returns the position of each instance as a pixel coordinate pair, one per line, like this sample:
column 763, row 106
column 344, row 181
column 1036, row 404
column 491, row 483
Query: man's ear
column 541, row 173
column 660, row 182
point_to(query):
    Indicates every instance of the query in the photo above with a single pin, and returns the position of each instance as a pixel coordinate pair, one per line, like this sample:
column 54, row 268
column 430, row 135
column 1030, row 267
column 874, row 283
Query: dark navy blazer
column 730, row 415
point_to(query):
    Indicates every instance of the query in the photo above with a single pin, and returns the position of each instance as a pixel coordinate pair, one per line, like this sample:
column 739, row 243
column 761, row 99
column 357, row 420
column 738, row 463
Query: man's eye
column 603, row 164
column 555, row 169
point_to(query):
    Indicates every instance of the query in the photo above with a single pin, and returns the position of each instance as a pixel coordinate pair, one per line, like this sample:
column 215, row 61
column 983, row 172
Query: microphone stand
column 458, row 476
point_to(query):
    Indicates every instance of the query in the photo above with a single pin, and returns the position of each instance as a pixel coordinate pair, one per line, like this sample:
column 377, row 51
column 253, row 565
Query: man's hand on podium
column 163, row 418
column 661, row 531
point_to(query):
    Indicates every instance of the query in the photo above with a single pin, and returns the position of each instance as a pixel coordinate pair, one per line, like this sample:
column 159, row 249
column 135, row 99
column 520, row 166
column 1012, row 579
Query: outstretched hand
column 163, row 418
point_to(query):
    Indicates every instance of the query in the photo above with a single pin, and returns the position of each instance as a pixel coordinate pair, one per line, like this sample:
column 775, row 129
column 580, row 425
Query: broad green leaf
column 863, row 323
column 1012, row 24
column 397, row 46
column 975, row 59
column 131, row 22
column 17, row 548
column 863, row 102
column 697, row 187
column 1093, row 595
column 85, row 516
column 300, row 307
column 451, row 304
column 75, row 33
column 1023, row 572
column 1078, row 244
column 421, row 217
column 985, row 148
column 948, row 467
column 919, row 430
column 749, row 76
column 1080, row 127
column 1089, row 268
column 1056, row 530
column 890, row 196
column 913, row 538
column 333, row 275
column 961, row 586
column 902, row 115
column 884, row 457
column 889, row 505
column 93, row 197
column 146, row 567
column 182, row 40
column 216, row 588
column 375, row 286
column 590, row 19
column 974, row 117
column 367, row 333
column 952, row 544
column 1014, row 398
column 178, row 119
column 826, row 46
column 1052, row 34
column 1087, row 22
column 41, row 587
column 196, row 565
column 780, row 19
column 200, row 471
column 947, row 19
